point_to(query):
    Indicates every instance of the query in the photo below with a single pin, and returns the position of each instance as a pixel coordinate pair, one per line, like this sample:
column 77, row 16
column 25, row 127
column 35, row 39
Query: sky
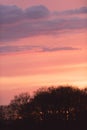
column 43, row 43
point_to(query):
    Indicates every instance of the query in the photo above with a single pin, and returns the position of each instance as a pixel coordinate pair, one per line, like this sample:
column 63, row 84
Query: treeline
column 61, row 107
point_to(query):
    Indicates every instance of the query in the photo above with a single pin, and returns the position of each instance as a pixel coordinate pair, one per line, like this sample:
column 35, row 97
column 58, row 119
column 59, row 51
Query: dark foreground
column 52, row 125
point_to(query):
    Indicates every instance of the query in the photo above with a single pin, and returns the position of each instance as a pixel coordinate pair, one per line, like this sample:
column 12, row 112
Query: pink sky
column 42, row 43
column 51, row 4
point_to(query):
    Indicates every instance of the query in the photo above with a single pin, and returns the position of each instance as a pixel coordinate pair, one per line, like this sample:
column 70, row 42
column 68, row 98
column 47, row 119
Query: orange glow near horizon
column 21, row 74
column 31, row 70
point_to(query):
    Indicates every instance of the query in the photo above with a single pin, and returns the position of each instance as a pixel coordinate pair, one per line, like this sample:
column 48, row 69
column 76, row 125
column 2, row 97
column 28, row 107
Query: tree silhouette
column 18, row 106
column 62, row 103
column 61, row 107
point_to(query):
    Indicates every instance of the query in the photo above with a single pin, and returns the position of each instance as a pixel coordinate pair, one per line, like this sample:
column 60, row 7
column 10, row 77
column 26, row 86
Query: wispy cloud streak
column 82, row 10
column 13, row 49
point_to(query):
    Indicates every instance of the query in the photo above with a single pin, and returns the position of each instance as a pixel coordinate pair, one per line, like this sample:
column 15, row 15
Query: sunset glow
column 42, row 44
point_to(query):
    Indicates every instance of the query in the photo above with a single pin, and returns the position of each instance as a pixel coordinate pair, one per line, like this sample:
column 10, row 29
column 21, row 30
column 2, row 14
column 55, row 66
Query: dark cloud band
column 14, row 49
column 82, row 10
column 12, row 14
column 48, row 27
column 16, row 23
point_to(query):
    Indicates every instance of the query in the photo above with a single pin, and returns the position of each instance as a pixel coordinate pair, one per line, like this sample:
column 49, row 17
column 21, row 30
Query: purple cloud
column 65, row 48
column 16, row 23
column 10, row 49
column 82, row 10
column 48, row 27
column 12, row 14
column 37, row 12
